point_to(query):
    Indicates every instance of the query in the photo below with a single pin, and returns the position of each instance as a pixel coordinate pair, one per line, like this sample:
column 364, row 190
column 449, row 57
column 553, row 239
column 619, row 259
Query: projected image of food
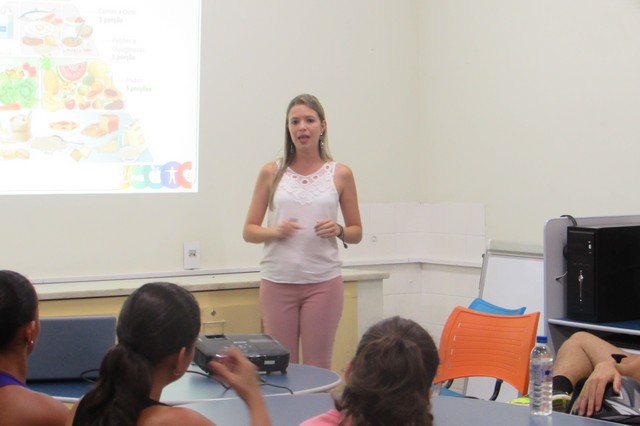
column 80, row 85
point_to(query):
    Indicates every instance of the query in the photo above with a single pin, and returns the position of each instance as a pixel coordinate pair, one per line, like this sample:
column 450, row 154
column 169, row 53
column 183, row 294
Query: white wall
column 531, row 108
column 508, row 111
column 359, row 57
column 433, row 253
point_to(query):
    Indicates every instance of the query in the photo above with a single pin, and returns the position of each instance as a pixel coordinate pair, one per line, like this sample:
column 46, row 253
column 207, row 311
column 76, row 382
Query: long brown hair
column 156, row 320
column 391, row 376
column 289, row 148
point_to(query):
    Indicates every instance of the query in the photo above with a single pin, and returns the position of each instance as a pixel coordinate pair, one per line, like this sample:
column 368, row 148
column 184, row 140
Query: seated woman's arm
column 242, row 375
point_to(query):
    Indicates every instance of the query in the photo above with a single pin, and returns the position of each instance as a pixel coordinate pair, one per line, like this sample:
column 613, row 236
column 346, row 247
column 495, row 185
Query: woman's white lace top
column 304, row 257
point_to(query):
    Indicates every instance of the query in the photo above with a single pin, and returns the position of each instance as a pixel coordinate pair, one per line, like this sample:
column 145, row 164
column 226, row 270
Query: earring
column 321, row 140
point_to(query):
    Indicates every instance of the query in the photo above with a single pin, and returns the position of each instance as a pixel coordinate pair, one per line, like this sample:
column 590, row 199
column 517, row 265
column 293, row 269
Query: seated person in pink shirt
column 389, row 379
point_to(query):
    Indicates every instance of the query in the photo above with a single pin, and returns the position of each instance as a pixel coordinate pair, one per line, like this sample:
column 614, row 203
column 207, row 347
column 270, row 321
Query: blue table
column 452, row 411
column 290, row 410
column 285, row 410
column 196, row 387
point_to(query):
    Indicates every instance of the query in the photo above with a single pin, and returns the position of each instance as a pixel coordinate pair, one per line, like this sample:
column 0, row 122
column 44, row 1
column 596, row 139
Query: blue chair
column 481, row 305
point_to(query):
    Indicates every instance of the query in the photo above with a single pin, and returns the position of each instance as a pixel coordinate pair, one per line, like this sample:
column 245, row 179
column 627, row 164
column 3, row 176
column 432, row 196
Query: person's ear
column 178, row 367
column 31, row 330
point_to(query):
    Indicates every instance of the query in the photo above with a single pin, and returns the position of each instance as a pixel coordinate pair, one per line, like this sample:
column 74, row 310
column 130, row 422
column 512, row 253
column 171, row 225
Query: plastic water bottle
column 541, row 378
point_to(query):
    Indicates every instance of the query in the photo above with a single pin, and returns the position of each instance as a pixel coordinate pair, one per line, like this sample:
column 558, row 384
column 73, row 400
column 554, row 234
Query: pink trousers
column 305, row 314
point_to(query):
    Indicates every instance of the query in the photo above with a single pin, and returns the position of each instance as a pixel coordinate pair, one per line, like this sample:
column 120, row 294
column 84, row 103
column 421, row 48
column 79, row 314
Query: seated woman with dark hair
column 157, row 331
column 389, row 379
column 19, row 328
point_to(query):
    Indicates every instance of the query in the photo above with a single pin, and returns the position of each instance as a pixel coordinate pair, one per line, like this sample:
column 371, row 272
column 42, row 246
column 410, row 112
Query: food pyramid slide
column 58, row 99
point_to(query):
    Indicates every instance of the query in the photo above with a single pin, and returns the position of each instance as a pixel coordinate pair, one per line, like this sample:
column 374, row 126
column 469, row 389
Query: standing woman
column 19, row 328
column 301, row 291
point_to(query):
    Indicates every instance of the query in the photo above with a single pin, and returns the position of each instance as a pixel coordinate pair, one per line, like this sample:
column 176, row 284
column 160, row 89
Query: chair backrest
column 71, row 347
column 479, row 304
column 475, row 343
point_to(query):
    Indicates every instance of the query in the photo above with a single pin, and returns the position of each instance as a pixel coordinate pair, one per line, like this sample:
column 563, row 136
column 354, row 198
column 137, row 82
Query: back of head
column 156, row 321
column 391, row 376
column 18, row 305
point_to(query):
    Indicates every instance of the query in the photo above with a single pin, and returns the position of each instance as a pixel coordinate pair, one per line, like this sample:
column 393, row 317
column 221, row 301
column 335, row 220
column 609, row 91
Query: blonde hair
column 289, row 148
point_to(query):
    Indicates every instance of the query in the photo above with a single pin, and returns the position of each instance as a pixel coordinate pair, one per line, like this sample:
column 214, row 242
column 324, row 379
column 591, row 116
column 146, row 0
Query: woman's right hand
column 237, row 371
column 286, row 229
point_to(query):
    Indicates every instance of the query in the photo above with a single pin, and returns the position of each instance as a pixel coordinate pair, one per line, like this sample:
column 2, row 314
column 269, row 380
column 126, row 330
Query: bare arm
column 590, row 399
column 585, row 354
column 241, row 374
column 253, row 231
column 630, row 366
column 346, row 185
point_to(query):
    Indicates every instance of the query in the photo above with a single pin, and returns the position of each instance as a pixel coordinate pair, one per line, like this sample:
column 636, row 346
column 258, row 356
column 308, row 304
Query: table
column 195, row 386
column 285, row 410
column 290, row 410
column 452, row 411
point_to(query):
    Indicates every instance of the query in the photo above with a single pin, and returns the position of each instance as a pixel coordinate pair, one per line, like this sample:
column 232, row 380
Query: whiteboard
column 512, row 276
column 514, row 279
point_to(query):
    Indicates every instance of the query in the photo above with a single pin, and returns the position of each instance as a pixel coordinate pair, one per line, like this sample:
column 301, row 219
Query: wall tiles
column 447, row 218
column 420, row 230
column 475, row 219
column 405, row 305
column 437, row 308
column 450, row 280
column 394, row 234
column 372, row 248
column 475, row 246
column 410, row 217
column 445, row 246
column 382, row 219
column 404, row 279
column 413, row 245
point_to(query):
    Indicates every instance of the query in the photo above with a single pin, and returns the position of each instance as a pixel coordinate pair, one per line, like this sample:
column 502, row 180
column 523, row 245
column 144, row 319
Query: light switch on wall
column 191, row 255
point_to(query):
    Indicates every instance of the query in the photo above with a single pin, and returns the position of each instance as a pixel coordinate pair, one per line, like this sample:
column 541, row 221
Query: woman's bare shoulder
column 343, row 169
column 162, row 415
column 268, row 170
column 31, row 407
column 343, row 173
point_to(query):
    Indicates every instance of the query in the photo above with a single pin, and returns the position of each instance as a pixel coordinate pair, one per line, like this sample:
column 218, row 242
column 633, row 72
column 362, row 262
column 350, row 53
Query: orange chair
column 475, row 344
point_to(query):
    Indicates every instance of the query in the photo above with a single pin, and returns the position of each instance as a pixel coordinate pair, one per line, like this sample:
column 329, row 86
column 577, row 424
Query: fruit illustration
column 78, row 85
column 98, row 69
column 72, row 72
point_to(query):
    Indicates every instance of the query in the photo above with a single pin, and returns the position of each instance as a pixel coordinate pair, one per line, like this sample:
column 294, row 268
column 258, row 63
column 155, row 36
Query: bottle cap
column 541, row 339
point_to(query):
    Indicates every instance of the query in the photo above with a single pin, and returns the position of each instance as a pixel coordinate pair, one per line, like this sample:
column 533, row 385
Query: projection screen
column 99, row 97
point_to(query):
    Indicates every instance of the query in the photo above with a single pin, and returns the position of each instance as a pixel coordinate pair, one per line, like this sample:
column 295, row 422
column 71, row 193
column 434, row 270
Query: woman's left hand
column 326, row 228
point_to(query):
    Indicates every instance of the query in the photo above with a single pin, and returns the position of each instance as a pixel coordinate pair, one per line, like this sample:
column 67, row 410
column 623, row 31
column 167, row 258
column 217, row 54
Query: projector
column 262, row 350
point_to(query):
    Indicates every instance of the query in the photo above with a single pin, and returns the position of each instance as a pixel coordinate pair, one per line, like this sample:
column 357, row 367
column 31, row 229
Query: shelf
column 621, row 327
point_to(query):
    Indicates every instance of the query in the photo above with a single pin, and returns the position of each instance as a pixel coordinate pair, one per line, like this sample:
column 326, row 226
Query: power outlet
column 191, row 253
